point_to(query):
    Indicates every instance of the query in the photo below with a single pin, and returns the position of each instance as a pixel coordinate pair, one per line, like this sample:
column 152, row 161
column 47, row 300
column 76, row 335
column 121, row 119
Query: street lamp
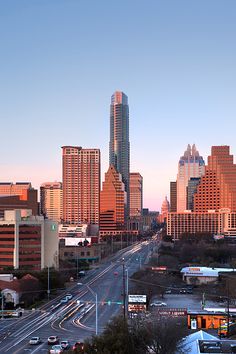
column 96, row 303
column 124, row 292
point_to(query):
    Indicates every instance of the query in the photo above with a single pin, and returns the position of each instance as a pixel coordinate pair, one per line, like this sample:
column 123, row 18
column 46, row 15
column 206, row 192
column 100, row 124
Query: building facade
column 51, row 200
column 20, row 195
column 113, row 202
column 191, row 190
column 81, row 185
column 191, row 164
column 27, row 241
column 217, row 188
column 173, row 196
column 136, row 194
column 221, row 222
column 119, row 147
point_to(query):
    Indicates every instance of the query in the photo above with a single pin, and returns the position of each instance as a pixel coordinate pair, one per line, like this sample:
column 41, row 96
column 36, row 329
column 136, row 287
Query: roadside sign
column 172, row 312
column 137, row 299
column 137, row 307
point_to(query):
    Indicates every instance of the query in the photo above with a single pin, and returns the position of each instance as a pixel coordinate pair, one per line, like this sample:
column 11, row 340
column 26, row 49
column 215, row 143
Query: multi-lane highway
column 76, row 319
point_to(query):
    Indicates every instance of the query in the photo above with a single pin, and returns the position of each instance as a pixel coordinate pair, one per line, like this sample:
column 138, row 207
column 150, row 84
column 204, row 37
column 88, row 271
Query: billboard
column 173, row 312
column 137, row 307
column 137, row 299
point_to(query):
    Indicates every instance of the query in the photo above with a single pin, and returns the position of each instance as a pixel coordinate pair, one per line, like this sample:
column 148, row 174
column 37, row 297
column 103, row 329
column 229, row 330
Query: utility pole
column 127, row 289
column 227, row 307
column 124, row 292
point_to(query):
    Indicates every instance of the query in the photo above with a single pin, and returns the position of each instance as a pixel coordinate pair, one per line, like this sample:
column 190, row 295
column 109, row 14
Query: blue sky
column 61, row 60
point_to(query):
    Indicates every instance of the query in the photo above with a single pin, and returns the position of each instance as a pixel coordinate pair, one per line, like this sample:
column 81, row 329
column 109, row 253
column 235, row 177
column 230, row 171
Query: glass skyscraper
column 119, row 147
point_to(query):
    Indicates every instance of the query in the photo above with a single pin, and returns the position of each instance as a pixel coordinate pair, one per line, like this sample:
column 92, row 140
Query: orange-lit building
column 81, row 185
column 20, row 195
column 217, row 188
column 51, row 200
column 136, row 194
column 112, row 204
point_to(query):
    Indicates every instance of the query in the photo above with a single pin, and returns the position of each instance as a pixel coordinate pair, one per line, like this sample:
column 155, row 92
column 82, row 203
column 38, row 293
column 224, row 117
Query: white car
column 65, row 344
column 69, row 296
column 53, row 340
column 158, row 304
column 56, row 349
column 35, row 340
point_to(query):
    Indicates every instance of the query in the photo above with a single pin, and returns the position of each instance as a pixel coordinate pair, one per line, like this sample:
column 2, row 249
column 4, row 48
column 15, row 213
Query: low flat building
column 202, row 275
column 70, row 250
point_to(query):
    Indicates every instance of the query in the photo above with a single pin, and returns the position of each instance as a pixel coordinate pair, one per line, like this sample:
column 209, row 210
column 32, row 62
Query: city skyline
column 177, row 69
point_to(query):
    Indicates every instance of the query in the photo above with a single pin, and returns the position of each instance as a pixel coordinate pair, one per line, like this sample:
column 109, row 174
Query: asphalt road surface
column 76, row 319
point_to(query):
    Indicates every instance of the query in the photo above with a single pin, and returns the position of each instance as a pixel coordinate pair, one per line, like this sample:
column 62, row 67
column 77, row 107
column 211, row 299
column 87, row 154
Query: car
column 78, row 345
column 82, row 273
column 35, row 340
column 168, row 291
column 69, row 296
column 56, row 349
column 65, row 344
column 53, row 340
column 158, row 304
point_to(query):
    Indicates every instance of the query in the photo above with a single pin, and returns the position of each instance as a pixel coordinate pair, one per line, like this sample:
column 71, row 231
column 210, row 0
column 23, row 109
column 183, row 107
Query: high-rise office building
column 119, row 147
column 191, row 164
column 191, row 190
column 113, row 201
column 81, row 185
column 136, row 194
column 173, row 196
column 217, row 188
column 51, row 200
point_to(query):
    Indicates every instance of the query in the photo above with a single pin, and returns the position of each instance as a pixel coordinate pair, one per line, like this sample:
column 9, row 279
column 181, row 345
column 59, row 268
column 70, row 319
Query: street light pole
column 127, row 288
column 124, row 292
column 96, row 302
column 48, row 284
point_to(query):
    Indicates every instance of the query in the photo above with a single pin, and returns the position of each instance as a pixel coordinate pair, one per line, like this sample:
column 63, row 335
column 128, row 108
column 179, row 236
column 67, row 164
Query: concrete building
column 173, row 196
column 113, row 202
column 27, row 241
column 191, row 164
column 136, row 194
column 81, row 185
column 217, row 188
column 51, row 200
column 212, row 222
column 119, row 147
column 20, row 195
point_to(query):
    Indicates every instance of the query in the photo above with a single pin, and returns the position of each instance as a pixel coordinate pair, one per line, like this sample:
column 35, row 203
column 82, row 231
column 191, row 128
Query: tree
column 159, row 336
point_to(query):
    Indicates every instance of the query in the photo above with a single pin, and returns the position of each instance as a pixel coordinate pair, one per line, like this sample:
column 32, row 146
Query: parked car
column 65, row 344
column 158, row 304
column 56, row 349
column 53, row 340
column 35, row 340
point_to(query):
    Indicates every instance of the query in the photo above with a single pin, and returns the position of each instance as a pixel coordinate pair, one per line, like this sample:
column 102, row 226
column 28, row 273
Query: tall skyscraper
column 217, row 188
column 173, row 196
column 136, row 194
column 51, row 200
column 113, row 201
column 191, row 190
column 119, row 147
column 190, row 165
column 81, row 185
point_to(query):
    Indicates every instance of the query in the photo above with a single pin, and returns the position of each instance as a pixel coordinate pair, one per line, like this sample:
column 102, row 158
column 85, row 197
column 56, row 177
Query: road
column 76, row 319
